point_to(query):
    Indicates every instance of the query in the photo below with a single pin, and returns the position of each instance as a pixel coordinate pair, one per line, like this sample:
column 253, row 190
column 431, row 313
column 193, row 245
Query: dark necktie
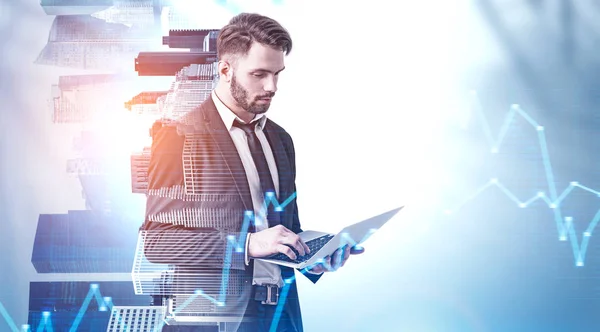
column 264, row 174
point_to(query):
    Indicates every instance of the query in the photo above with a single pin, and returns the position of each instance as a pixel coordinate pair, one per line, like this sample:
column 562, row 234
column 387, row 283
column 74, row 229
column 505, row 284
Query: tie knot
column 248, row 128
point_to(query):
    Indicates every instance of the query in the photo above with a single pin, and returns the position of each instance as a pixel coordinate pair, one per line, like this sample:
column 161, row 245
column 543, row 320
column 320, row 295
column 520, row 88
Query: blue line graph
column 104, row 303
column 282, row 297
column 8, row 319
column 47, row 323
column 239, row 243
column 564, row 225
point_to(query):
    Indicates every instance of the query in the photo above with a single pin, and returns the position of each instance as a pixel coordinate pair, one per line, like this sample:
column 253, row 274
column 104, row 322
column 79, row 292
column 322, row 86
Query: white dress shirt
column 264, row 273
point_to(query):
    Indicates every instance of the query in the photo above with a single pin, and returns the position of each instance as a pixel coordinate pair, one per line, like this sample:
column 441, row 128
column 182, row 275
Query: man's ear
column 225, row 70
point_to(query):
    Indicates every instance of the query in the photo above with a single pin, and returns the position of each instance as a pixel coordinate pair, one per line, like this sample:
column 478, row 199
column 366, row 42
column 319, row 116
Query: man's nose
column 270, row 85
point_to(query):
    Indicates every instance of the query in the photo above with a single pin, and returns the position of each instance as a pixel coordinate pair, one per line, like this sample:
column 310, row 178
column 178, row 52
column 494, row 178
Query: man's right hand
column 274, row 240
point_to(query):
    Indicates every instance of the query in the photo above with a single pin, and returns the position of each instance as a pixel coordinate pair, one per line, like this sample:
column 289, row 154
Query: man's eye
column 258, row 75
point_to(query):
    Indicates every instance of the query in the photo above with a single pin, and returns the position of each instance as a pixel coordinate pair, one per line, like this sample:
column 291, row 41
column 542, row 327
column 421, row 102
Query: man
column 212, row 172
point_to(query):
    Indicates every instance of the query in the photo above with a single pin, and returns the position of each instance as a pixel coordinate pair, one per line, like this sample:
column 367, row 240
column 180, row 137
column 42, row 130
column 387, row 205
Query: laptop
column 323, row 244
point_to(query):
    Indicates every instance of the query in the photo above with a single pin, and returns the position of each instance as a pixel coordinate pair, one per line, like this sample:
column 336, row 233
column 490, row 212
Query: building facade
column 55, row 306
column 86, row 42
column 192, row 86
column 139, row 171
column 83, row 242
column 136, row 318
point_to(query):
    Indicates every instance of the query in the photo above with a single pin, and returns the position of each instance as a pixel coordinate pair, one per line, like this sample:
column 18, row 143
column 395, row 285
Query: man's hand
column 336, row 260
column 276, row 239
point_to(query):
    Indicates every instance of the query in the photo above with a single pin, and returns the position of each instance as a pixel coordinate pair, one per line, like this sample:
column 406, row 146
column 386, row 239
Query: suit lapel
column 284, row 169
column 220, row 135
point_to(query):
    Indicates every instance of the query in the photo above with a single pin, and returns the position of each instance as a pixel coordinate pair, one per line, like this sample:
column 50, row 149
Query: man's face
column 254, row 78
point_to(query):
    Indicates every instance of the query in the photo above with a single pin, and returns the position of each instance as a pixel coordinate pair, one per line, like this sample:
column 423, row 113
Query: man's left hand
column 336, row 260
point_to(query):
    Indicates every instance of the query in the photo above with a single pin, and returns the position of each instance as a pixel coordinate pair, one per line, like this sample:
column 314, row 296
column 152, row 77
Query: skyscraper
column 170, row 63
column 192, row 86
column 140, row 14
column 86, row 42
column 200, row 39
column 201, row 42
column 83, row 242
column 54, row 306
column 136, row 318
column 139, row 171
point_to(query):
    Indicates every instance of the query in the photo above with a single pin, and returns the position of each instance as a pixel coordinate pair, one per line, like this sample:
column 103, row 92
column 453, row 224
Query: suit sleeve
column 166, row 241
column 296, row 227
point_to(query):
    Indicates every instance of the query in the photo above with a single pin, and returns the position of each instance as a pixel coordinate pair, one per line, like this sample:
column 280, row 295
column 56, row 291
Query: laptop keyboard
column 314, row 245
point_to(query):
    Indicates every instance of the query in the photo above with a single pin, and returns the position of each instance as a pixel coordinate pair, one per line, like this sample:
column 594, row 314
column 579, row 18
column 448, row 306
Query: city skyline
column 67, row 243
column 492, row 265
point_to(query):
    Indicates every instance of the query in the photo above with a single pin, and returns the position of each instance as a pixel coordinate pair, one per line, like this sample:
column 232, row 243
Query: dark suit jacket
column 198, row 192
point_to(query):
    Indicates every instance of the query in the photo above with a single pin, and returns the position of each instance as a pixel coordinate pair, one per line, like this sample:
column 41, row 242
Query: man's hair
column 237, row 36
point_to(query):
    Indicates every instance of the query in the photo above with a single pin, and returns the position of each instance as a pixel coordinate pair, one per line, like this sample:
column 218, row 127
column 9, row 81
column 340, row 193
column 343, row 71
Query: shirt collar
column 229, row 117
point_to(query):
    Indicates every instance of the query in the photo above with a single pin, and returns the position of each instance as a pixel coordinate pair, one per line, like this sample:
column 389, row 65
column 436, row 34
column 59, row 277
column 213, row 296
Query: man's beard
column 240, row 95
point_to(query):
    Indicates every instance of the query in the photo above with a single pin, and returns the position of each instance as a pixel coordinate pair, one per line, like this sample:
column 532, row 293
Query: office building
column 201, row 39
column 201, row 42
column 192, row 86
column 136, row 318
column 185, row 96
column 86, row 42
column 139, row 171
column 198, row 72
column 139, row 14
column 83, row 242
column 54, row 306
column 170, row 63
